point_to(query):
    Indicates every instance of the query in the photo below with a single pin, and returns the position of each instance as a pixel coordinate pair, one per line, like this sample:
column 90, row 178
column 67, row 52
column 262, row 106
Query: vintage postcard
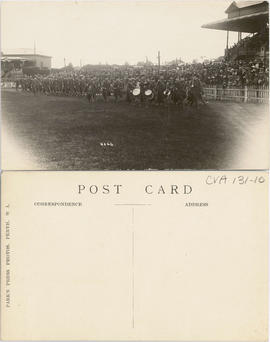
column 169, row 257
column 161, row 111
column 135, row 85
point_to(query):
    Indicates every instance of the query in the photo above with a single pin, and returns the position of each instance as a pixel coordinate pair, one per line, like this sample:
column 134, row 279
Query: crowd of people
column 250, row 45
column 175, row 82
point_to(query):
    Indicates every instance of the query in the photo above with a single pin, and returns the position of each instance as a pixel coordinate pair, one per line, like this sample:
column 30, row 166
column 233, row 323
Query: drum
column 136, row 92
column 167, row 92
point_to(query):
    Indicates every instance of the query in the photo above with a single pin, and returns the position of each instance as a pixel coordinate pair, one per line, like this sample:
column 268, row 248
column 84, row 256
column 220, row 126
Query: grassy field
column 71, row 134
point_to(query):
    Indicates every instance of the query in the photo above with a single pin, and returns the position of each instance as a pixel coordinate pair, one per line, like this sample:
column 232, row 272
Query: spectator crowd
column 146, row 82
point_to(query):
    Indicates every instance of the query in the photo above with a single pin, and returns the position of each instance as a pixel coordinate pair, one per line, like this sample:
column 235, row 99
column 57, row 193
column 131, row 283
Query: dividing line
column 133, row 205
column 133, row 273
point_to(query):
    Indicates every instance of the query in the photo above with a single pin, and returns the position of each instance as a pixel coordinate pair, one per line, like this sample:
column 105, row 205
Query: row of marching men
column 176, row 91
column 132, row 90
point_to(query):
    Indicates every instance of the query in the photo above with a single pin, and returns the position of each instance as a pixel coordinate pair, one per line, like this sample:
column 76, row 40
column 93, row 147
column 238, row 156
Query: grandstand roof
column 243, row 16
column 13, row 58
column 23, row 56
column 22, row 52
column 242, row 4
column 250, row 23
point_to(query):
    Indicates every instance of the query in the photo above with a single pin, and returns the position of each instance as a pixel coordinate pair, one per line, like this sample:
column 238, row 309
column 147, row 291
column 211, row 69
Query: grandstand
column 17, row 62
column 249, row 17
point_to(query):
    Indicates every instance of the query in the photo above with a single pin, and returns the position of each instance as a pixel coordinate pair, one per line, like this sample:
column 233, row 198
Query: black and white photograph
column 135, row 85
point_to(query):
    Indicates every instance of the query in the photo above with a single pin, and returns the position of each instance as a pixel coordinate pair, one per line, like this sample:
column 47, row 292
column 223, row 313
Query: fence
column 252, row 94
column 8, row 84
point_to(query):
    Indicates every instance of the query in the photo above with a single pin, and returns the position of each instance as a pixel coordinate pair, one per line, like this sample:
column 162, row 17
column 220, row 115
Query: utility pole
column 64, row 62
column 158, row 57
column 35, row 48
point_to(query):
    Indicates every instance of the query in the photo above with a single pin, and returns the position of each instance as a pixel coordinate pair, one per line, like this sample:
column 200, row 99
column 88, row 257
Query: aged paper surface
column 134, row 256
column 134, row 85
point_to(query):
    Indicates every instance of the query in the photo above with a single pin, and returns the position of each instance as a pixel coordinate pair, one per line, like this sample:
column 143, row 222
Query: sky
column 114, row 32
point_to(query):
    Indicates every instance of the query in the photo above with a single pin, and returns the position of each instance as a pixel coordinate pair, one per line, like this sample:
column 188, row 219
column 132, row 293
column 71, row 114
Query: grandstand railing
column 8, row 84
column 251, row 94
